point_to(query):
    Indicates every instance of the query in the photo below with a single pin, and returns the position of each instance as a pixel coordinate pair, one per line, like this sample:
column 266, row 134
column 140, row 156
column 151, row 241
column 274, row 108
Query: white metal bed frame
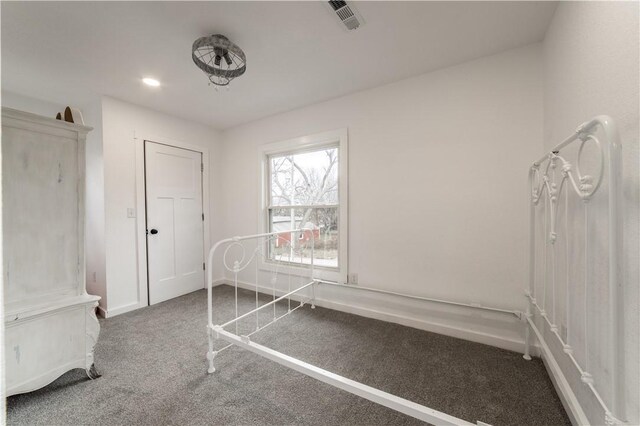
column 244, row 341
column 584, row 185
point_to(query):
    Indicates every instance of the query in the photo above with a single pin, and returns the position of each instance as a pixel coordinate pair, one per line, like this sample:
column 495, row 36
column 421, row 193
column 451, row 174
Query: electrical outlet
column 94, row 277
column 352, row 278
column 131, row 213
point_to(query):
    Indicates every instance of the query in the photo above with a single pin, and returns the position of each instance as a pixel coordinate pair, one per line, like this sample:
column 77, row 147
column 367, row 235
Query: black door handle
column 154, row 231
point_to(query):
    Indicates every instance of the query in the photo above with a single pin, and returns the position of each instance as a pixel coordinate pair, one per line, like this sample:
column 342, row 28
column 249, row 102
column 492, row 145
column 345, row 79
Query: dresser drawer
column 43, row 347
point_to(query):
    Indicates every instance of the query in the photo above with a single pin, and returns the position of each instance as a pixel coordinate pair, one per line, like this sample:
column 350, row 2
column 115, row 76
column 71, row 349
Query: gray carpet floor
column 153, row 370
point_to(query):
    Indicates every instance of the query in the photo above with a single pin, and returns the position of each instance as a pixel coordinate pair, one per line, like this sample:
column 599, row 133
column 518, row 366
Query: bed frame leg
column 527, row 334
column 210, row 354
column 313, row 295
column 526, row 355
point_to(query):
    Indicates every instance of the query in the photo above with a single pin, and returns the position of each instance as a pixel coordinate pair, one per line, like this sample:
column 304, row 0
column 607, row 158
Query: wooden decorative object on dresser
column 50, row 321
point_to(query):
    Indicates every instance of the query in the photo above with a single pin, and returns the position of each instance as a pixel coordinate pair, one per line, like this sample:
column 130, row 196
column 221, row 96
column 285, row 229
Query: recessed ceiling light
column 151, row 82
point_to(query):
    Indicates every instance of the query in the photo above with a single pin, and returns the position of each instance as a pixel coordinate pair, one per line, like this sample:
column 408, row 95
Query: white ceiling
column 297, row 52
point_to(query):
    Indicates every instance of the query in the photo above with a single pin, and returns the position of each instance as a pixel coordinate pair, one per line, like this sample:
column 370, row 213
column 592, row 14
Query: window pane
column 326, row 239
column 306, row 178
column 322, row 235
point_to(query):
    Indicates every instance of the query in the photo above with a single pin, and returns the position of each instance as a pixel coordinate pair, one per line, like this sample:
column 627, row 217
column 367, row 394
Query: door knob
column 154, row 231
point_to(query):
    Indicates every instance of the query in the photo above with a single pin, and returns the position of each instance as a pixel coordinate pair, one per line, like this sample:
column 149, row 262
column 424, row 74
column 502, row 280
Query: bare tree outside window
column 303, row 190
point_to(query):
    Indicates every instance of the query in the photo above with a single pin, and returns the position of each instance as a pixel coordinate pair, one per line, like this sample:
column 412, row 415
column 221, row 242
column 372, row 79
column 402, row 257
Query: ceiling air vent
column 346, row 13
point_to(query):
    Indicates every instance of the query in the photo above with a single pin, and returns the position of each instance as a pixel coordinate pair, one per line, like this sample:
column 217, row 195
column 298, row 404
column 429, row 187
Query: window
column 305, row 187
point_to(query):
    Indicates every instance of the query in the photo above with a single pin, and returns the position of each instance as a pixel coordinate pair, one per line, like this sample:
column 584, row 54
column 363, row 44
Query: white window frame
column 337, row 138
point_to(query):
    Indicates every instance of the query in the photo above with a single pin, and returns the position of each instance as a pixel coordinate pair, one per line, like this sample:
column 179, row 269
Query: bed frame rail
column 396, row 403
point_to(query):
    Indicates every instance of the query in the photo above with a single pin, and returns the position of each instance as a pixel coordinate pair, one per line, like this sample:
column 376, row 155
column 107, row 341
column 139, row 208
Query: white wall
column 94, row 204
column 437, row 187
column 120, row 122
column 32, row 105
column 591, row 68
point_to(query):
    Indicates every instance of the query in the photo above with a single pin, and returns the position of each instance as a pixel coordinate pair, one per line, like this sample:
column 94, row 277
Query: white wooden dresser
column 50, row 321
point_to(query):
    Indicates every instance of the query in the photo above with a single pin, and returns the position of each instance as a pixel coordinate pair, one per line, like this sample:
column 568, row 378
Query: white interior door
column 175, row 247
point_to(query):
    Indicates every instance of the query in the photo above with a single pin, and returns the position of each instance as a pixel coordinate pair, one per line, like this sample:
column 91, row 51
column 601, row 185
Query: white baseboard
column 121, row 310
column 219, row 281
column 101, row 311
column 108, row 313
column 399, row 317
column 561, row 384
column 434, row 327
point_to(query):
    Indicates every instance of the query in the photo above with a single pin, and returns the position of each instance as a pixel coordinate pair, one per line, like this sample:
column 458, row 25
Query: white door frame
column 141, row 209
